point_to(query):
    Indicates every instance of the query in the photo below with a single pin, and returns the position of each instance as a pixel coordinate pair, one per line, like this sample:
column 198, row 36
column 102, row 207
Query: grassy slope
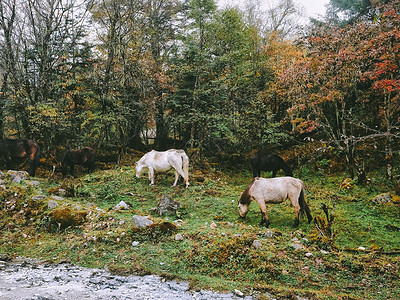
column 217, row 251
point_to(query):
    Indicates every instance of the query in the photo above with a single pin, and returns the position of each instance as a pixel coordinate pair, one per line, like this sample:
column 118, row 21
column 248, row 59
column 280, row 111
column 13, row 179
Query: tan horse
column 164, row 161
column 274, row 190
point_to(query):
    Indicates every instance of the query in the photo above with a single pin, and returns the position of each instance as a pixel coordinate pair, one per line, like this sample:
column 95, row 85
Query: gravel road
column 27, row 279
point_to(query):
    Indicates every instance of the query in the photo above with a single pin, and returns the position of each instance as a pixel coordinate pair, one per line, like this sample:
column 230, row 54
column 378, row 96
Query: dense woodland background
column 142, row 74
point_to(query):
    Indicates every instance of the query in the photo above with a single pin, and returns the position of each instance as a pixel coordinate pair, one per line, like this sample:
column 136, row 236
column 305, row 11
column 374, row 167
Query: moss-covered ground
column 354, row 256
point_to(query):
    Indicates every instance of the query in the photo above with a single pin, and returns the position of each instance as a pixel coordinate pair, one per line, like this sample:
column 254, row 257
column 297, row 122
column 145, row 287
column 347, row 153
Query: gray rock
column 257, row 244
column 297, row 246
column 382, row 198
column 57, row 198
column 52, row 204
column 121, row 205
column 179, row 237
column 17, row 176
column 33, row 183
column 38, row 198
column 1, row 174
column 140, row 221
column 167, row 206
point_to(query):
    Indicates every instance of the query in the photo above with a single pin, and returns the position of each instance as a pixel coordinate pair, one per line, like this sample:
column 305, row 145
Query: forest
column 224, row 82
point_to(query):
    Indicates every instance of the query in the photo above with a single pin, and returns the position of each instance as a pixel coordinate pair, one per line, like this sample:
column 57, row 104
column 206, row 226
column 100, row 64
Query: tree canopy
column 188, row 74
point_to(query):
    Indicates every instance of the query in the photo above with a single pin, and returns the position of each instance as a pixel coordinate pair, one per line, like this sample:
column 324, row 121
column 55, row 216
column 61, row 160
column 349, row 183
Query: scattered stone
column 179, row 237
column 308, row 254
column 229, row 224
column 1, row 174
column 52, row 204
column 213, row 225
column 382, row 198
column 57, row 198
column 61, row 192
column 17, row 176
column 135, row 243
column 38, row 198
column 140, row 221
column 122, row 205
column 167, row 206
column 257, row 244
column 324, row 252
column 361, row 248
column 238, row 293
column 178, row 223
column 297, row 246
column 268, row 234
column 33, row 183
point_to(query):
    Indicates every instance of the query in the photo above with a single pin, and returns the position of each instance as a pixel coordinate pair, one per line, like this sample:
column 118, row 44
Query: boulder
column 167, row 206
column 17, row 176
column 52, row 204
column 122, row 205
column 140, row 221
column 66, row 217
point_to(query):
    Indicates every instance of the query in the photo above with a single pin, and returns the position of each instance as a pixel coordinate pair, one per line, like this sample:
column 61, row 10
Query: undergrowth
column 356, row 256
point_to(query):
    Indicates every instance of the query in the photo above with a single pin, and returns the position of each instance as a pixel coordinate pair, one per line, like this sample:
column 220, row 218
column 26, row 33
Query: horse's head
column 139, row 169
column 243, row 209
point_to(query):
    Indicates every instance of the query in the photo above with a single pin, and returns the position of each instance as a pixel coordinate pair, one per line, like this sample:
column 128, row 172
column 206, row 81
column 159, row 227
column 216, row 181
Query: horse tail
column 245, row 198
column 185, row 166
column 304, row 206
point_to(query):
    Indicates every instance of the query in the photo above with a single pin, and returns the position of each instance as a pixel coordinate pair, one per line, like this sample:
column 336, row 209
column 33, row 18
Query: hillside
column 356, row 256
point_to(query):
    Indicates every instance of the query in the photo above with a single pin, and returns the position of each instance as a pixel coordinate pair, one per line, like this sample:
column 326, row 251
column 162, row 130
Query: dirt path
column 26, row 279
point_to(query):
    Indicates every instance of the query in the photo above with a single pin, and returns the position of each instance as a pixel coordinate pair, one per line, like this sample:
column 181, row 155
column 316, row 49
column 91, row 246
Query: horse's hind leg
column 151, row 176
column 296, row 220
column 179, row 171
column 176, row 178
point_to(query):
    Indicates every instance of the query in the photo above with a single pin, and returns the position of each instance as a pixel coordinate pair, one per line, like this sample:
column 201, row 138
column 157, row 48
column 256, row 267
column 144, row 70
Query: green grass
column 217, row 251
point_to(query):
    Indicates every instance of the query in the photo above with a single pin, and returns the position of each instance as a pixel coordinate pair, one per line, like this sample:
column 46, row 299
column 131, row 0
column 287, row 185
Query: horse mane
column 245, row 198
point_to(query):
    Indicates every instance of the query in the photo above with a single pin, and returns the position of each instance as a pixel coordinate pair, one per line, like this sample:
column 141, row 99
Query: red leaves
column 387, row 85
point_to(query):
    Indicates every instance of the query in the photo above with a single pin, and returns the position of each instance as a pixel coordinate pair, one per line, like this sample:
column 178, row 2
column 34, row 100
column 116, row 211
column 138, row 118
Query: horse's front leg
column 151, row 176
column 31, row 168
column 264, row 215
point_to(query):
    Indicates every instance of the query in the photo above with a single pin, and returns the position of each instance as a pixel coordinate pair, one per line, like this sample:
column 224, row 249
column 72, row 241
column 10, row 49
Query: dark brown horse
column 84, row 157
column 12, row 150
column 266, row 162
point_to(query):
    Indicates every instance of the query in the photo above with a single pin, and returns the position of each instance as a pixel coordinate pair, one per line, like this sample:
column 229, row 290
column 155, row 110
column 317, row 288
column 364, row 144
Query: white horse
column 164, row 161
column 274, row 190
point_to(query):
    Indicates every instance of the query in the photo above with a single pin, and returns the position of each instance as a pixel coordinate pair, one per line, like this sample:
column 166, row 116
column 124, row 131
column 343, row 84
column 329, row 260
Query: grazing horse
column 265, row 162
column 12, row 150
column 84, row 157
column 164, row 161
column 274, row 190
